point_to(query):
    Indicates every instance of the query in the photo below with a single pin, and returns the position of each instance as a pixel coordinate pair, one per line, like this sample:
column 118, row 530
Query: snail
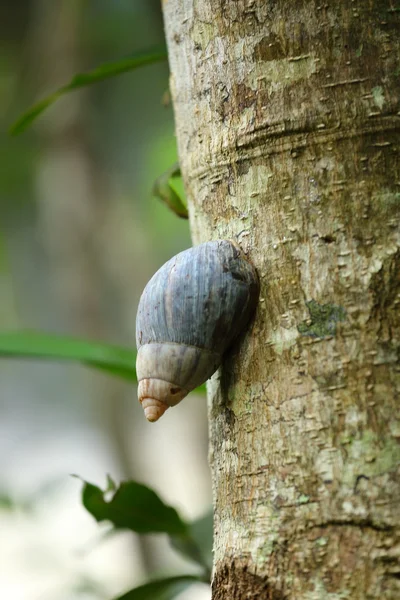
column 189, row 313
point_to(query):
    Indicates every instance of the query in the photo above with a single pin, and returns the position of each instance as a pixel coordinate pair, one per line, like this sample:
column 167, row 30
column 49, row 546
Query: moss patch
column 323, row 317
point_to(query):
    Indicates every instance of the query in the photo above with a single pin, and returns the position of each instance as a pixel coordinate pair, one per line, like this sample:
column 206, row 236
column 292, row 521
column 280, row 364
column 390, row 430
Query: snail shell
column 189, row 313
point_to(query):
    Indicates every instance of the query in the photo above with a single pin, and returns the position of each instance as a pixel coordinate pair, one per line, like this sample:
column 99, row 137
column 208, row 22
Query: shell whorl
column 156, row 395
column 188, row 315
column 153, row 409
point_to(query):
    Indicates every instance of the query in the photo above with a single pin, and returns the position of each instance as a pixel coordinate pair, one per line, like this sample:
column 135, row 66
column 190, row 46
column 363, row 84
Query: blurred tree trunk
column 287, row 124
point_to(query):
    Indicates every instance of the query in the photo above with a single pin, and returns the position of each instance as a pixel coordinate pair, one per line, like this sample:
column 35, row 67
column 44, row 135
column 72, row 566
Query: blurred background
column 80, row 235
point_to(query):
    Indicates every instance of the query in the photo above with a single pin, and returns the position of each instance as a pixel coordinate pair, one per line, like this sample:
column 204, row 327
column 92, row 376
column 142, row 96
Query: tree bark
column 287, row 121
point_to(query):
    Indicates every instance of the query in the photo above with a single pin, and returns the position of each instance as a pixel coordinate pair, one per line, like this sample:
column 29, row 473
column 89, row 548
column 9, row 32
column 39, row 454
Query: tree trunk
column 287, row 124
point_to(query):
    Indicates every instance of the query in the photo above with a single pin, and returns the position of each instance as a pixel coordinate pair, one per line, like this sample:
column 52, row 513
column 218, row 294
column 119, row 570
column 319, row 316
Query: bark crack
column 361, row 524
column 269, row 140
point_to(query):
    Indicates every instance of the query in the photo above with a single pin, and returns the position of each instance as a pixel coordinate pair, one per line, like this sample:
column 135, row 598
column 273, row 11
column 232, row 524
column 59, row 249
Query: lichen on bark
column 323, row 319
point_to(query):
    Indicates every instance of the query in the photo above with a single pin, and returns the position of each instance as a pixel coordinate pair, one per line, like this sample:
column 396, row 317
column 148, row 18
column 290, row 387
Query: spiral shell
column 189, row 313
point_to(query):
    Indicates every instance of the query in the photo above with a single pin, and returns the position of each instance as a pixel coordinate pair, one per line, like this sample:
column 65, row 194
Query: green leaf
column 104, row 71
column 112, row 359
column 169, row 188
column 161, row 589
column 133, row 506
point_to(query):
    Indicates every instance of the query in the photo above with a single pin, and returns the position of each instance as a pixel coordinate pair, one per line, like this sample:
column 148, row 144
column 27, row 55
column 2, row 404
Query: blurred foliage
column 136, row 507
column 161, row 589
column 127, row 135
column 201, row 531
column 100, row 73
column 6, row 501
column 133, row 506
column 112, row 359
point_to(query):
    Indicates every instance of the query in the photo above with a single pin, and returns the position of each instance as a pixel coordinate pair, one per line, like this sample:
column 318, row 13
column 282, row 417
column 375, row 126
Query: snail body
column 191, row 310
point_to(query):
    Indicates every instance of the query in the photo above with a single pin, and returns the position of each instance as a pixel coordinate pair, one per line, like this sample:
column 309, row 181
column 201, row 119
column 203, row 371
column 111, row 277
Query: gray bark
column 287, row 121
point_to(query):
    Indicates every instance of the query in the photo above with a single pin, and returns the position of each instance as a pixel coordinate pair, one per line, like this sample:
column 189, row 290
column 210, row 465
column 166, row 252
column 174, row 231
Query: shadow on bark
column 233, row 581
